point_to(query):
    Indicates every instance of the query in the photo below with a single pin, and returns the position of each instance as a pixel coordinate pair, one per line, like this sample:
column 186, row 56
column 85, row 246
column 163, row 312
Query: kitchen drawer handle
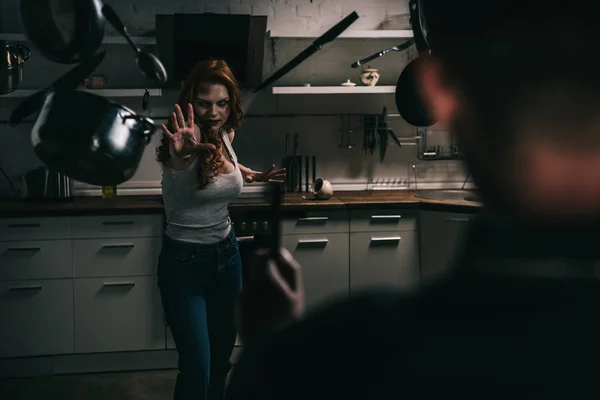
column 312, row 241
column 457, row 219
column 245, row 238
column 117, row 284
column 386, row 239
column 25, row 288
column 19, row 249
column 117, row 222
column 118, row 246
column 34, row 225
column 386, row 217
column 313, row 219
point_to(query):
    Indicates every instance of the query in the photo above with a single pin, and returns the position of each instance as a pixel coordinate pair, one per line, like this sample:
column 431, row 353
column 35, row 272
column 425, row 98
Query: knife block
column 298, row 173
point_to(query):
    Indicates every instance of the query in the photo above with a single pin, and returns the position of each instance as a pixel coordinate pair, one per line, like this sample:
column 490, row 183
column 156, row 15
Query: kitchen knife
column 275, row 236
column 306, row 160
column 295, row 163
column 327, row 37
column 68, row 81
column 399, row 47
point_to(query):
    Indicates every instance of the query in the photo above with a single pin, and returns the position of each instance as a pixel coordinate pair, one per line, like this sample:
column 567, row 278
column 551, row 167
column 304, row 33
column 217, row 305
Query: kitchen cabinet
column 384, row 250
column 440, row 240
column 118, row 314
column 37, row 317
column 319, row 241
column 325, row 265
column 74, row 285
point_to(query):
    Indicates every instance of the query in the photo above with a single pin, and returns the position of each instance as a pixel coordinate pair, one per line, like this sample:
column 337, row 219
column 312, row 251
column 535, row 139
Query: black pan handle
column 382, row 53
column 112, row 17
column 336, row 30
column 416, row 23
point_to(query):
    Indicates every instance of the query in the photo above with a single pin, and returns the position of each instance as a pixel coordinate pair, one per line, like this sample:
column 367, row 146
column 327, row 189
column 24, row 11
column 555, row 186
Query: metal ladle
column 147, row 63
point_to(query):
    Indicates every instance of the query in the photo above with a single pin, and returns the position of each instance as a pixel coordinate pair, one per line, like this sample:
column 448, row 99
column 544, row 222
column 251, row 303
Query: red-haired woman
column 200, row 271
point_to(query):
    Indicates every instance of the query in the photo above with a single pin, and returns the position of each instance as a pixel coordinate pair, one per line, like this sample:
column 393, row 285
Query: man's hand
column 274, row 295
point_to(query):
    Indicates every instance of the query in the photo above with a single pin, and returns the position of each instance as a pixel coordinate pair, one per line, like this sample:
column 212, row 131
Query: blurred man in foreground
column 519, row 83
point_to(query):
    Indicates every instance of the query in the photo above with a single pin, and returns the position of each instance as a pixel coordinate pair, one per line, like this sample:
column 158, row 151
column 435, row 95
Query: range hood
column 184, row 39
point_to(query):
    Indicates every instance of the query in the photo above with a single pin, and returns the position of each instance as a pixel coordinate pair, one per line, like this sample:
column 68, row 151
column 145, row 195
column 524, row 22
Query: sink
column 448, row 195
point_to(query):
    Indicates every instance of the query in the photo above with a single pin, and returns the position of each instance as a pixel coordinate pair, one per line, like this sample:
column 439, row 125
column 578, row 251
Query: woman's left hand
column 271, row 175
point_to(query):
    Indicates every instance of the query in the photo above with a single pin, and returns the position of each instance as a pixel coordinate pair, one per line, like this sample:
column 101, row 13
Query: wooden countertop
column 149, row 204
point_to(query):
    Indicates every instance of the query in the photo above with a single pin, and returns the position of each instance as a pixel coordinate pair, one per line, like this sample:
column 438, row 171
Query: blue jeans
column 199, row 285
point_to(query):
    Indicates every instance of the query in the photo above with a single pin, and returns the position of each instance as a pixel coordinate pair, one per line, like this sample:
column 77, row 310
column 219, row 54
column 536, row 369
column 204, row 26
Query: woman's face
column 211, row 106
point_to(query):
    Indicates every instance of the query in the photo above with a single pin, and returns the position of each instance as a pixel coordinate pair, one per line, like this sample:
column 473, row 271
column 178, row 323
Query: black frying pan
column 409, row 99
column 63, row 31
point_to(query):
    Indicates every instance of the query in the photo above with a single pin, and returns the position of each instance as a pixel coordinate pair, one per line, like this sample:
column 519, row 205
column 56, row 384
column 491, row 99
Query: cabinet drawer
column 118, row 314
column 384, row 259
column 325, row 265
column 113, row 226
column 316, row 222
column 35, row 228
column 44, row 259
column 383, row 220
column 115, row 257
column 37, row 317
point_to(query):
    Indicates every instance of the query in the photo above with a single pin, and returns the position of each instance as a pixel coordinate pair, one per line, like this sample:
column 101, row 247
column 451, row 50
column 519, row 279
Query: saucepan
column 69, row 31
column 409, row 99
column 83, row 135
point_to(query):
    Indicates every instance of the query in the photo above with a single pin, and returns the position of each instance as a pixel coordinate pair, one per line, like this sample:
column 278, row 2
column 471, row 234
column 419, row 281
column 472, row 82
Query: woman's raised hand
column 183, row 141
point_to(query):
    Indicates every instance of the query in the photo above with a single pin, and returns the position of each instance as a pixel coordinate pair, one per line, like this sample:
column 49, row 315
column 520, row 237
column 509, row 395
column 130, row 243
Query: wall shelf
column 334, row 89
column 364, row 34
column 101, row 92
column 139, row 40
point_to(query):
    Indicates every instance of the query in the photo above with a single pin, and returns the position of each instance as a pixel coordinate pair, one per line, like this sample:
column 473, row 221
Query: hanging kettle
column 12, row 61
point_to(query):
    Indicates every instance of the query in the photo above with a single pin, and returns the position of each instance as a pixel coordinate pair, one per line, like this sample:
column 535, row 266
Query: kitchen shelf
column 334, row 89
column 101, row 92
column 357, row 34
column 139, row 40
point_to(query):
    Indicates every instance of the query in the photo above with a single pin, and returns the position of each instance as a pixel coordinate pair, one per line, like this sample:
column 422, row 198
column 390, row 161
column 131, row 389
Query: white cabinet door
column 325, row 265
column 441, row 234
column 37, row 317
column 118, row 314
column 384, row 260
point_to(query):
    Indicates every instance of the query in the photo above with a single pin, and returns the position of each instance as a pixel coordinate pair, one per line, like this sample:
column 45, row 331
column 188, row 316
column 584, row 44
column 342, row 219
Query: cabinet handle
column 312, row 241
column 118, row 246
column 457, row 219
column 117, row 222
column 386, row 239
column 313, row 219
column 245, row 238
column 380, row 217
column 33, row 225
column 25, row 288
column 116, row 284
column 18, row 249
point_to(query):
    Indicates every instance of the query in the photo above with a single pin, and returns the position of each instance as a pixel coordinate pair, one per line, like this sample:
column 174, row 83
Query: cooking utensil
column 68, row 81
column 327, row 37
column 409, row 99
column 147, row 63
column 146, row 101
column 399, row 47
column 43, row 183
column 12, row 62
column 90, row 138
column 63, row 31
column 294, row 171
column 306, row 167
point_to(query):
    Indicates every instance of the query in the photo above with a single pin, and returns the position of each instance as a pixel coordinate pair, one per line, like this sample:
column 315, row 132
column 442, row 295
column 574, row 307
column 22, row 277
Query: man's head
column 519, row 82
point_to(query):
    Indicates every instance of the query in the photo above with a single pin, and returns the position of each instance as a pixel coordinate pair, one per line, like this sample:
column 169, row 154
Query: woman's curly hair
column 205, row 73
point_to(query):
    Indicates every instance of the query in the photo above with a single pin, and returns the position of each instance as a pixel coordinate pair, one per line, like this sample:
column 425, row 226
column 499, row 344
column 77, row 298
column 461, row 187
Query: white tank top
column 200, row 215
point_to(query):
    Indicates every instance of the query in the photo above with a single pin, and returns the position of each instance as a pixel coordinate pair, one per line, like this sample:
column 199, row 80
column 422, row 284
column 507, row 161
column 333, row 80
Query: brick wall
column 261, row 140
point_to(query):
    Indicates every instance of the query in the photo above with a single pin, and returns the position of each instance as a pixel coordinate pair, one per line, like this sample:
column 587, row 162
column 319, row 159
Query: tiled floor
column 147, row 385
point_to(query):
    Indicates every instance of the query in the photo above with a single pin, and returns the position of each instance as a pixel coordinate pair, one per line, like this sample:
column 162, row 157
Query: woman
column 199, row 270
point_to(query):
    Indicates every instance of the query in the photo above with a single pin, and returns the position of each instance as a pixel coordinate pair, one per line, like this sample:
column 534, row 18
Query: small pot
column 89, row 138
column 369, row 76
column 12, row 60
column 322, row 189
